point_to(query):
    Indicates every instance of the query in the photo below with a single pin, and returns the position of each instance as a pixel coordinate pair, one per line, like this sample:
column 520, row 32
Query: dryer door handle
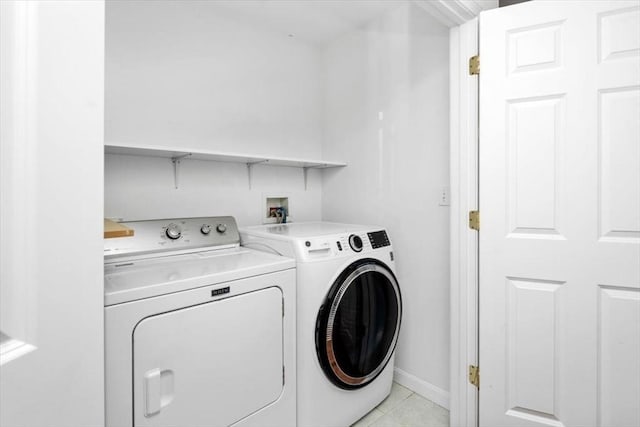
column 158, row 390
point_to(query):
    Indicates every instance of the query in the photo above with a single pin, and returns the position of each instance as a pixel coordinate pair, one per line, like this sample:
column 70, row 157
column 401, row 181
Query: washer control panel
column 378, row 239
column 345, row 244
column 160, row 235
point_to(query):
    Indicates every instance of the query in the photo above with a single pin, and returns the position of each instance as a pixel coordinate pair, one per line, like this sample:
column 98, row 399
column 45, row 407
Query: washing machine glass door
column 211, row 364
column 358, row 324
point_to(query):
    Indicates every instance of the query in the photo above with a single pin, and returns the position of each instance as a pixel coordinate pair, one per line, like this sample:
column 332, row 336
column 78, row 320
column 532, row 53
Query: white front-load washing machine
column 349, row 313
column 198, row 330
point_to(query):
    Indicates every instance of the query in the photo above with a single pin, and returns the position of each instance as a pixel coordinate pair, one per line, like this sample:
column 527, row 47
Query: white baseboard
column 423, row 388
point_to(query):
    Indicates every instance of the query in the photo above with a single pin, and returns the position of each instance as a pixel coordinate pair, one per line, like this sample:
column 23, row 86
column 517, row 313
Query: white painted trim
column 464, row 242
column 423, row 388
column 14, row 349
column 456, row 12
column 18, row 179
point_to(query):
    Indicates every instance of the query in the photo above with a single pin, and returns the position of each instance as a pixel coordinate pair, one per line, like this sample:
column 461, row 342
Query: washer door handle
column 158, row 390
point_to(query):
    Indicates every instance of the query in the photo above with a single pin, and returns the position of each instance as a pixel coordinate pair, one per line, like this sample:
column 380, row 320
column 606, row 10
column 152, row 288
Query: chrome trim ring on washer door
column 356, row 335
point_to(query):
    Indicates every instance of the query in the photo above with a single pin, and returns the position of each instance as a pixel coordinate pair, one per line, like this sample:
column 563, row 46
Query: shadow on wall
column 503, row 3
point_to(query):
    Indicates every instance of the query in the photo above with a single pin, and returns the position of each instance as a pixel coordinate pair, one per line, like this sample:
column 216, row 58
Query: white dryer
column 199, row 331
column 349, row 313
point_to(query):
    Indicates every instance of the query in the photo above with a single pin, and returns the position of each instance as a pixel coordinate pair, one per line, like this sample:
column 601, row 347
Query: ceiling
column 313, row 21
column 455, row 12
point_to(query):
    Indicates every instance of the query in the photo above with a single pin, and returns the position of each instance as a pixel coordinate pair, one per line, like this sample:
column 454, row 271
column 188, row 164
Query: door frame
column 464, row 99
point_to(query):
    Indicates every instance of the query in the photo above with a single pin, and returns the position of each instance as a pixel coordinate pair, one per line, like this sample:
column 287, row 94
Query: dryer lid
column 145, row 278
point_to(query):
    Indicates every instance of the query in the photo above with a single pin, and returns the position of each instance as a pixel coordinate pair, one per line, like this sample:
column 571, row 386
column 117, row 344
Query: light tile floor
column 404, row 408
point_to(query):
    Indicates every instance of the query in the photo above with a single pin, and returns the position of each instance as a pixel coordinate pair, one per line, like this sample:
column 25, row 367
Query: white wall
column 143, row 188
column 387, row 116
column 187, row 73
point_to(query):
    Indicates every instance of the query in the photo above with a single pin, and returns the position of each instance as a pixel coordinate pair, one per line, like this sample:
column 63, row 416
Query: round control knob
column 355, row 242
column 173, row 231
column 205, row 229
column 221, row 228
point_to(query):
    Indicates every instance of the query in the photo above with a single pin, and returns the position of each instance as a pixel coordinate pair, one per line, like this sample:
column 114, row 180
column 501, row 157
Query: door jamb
column 464, row 241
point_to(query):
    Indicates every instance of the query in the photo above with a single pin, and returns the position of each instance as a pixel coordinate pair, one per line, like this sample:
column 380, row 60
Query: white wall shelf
column 177, row 155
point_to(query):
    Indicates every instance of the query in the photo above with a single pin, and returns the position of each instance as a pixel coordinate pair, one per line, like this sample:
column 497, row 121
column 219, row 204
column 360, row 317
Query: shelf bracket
column 305, row 171
column 176, row 167
column 250, row 170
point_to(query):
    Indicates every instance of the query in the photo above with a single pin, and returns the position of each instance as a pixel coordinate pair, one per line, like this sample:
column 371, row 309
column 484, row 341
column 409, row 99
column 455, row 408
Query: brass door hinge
column 474, row 375
column 474, row 65
column 474, row 220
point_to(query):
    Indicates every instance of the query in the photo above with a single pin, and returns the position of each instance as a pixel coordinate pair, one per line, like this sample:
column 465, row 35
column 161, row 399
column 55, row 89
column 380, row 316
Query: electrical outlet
column 444, row 199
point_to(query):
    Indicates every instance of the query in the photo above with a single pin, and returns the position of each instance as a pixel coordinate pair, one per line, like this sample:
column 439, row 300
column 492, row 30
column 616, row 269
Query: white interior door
column 560, row 214
column 209, row 365
column 51, row 209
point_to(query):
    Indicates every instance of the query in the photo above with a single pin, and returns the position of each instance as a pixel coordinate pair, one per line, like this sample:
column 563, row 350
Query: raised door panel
column 618, row 34
column 619, row 164
column 534, row 171
column 534, row 48
column 618, row 356
column 533, row 348
column 211, row 364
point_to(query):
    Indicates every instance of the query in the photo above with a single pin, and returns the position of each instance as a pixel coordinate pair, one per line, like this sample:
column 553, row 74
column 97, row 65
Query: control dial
column 355, row 242
column 221, row 228
column 173, row 231
column 205, row 229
